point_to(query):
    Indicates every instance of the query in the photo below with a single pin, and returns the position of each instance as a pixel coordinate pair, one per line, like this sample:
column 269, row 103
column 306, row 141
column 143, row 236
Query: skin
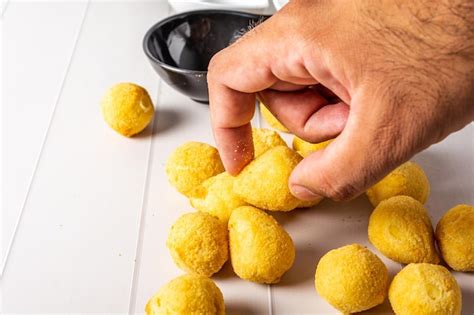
column 386, row 78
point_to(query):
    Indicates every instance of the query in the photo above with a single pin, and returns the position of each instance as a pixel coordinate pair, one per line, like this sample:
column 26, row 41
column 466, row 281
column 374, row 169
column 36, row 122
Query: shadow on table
column 239, row 309
column 164, row 120
column 226, row 272
column 303, row 268
column 467, row 300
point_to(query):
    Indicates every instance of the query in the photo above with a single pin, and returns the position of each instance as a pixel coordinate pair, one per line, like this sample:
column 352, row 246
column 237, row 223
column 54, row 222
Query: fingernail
column 303, row 193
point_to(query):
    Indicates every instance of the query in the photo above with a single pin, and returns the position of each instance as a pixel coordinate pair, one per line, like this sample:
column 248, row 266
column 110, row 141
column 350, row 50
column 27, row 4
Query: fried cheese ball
column 260, row 249
column 263, row 183
column 199, row 243
column 271, row 119
column 425, row 289
column 265, row 139
column 352, row 279
column 455, row 236
column 191, row 164
column 400, row 228
column 305, row 148
column 127, row 108
column 408, row 179
column 187, row 295
column 216, row 196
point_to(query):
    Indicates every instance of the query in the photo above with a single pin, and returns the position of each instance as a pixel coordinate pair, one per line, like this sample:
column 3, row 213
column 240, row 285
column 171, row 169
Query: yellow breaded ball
column 400, row 228
column 191, row 164
column 265, row 139
column 264, row 181
column 199, row 243
column 187, row 295
column 216, row 196
column 425, row 289
column 352, row 279
column 260, row 249
column 271, row 119
column 305, row 148
column 127, row 108
column 408, row 179
column 455, row 236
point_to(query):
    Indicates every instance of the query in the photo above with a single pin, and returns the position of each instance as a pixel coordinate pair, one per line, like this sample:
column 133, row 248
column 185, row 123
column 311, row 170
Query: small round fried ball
column 400, row 228
column 191, row 164
column 187, row 295
column 265, row 139
column 127, row 108
column 408, row 179
column 455, row 236
column 271, row 119
column 199, row 243
column 352, row 278
column 264, row 181
column 425, row 289
column 260, row 249
column 305, row 148
column 216, row 196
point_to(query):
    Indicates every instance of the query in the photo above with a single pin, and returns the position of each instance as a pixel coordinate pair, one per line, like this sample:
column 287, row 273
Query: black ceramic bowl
column 181, row 46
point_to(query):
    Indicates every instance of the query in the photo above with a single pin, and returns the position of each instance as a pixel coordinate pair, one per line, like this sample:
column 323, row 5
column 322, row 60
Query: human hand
column 388, row 79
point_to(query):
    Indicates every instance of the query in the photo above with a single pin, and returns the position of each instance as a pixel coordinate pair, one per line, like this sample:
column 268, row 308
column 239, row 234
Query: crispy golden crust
column 400, row 228
column 191, row 164
column 425, row 289
column 198, row 243
column 271, row 119
column 260, row 249
column 264, row 182
column 305, row 148
column 455, row 236
column 352, row 279
column 408, row 179
column 216, row 196
column 187, row 295
column 265, row 139
column 127, row 108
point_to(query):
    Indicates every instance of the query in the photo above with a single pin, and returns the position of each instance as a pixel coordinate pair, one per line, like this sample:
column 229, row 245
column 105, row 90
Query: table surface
column 86, row 212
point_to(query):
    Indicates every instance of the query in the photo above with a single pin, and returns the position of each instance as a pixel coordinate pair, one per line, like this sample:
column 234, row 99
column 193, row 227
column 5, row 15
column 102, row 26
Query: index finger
column 234, row 76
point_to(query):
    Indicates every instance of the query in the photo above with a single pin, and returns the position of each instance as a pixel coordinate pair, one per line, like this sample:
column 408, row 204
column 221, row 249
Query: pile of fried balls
column 232, row 222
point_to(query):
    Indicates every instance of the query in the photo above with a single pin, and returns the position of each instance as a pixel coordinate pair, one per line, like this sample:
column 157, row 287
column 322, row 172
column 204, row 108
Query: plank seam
column 142, row 219
column 45, row 137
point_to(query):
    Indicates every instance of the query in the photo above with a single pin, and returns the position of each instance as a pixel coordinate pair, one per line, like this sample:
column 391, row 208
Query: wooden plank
column 34, row 66
column 75, row 249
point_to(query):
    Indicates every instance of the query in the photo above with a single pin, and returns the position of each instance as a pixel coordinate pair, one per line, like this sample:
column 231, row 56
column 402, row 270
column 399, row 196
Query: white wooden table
column 85, row 212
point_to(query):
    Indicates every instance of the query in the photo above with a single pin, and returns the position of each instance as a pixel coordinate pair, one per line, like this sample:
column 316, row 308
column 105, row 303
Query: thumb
column 365, row 151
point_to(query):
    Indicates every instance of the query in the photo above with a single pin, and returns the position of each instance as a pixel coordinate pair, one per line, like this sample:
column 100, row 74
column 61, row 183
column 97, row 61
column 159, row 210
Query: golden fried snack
column 199, row 243
column 305, row 148
column 216, row 196
column 352, row 279
column 260, row 249
column 400, row 228
column 127, row 108
column 408, row 179
column 265, row 139
column 264, row 181
column 271, row 119
column 425, row 289
column 187, row 295
column 191, row 164
column 455, row 236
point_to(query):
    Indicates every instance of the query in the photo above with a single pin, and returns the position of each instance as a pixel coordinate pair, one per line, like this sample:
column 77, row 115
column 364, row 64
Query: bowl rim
column 168, row 19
